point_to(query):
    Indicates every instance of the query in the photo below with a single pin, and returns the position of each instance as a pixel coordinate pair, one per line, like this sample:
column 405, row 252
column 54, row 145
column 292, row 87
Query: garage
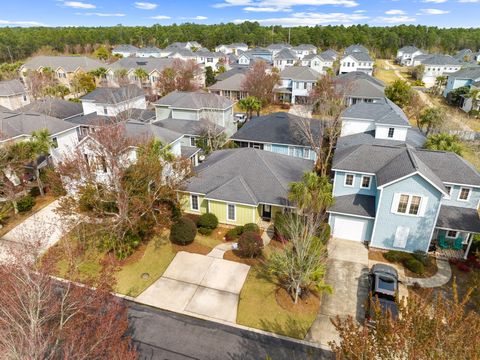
column 350, row 227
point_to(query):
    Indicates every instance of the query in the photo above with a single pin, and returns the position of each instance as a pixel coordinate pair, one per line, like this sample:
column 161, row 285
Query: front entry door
column 266, row 211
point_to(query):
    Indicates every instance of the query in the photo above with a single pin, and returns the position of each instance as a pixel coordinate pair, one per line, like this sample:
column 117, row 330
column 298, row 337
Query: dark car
column 383, row 285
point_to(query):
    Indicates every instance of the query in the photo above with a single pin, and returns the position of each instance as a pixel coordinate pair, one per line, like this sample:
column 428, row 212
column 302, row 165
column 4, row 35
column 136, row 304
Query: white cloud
column 282, row 5
column 200, row 17
column 160, row 17
column 434, row 11
column 401, row 19
column 103, row 14
column 78, row 5
column 468, row 1
column 395, row 12
column 145, row 5
column 360, row 11
column 266, row 9
column 20, row 23
column 435, row 1
column 310, row 19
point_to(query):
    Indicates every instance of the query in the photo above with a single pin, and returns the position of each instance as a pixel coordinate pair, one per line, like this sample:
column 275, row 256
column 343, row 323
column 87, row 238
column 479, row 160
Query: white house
column 13, row 94
column 303, row 50
column 111, row 101
column 233, row 48
column 276, row 48
column 151, row 51
column 356, row 61
column 406, row 54
column 319, row 63
column 438, row 65
column 296, row 82
column 125, row 50
column 284, row 58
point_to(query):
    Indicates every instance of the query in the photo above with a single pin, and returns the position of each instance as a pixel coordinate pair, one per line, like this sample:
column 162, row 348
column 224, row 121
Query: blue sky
column 442, row 13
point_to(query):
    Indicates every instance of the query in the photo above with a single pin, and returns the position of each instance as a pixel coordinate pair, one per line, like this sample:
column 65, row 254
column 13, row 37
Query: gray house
column 13, row 94
column 360, row 87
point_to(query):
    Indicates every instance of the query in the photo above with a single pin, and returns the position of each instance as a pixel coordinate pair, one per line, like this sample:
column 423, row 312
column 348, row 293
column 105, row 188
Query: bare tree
column 180, row 76
column 260, row 82
column 39, row 81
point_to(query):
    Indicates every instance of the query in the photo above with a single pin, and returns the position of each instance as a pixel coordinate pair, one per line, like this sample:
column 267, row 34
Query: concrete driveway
column 347, row 273
column 198, row 284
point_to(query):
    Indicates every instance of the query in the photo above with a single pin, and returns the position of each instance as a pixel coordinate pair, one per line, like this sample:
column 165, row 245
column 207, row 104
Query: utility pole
column 289, row 30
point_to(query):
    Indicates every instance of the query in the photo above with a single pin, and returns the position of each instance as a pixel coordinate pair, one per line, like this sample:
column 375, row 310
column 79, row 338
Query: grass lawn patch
column 258, row 307
column 471, row 153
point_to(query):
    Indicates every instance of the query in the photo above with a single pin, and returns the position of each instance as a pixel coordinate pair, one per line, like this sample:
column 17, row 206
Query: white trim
column 459, row 230
column 345, row 180
column 234, row 212
column 269, row 143
column 229, row 202
column 353, row 215
column 449, row 197
column 191, row 203
column 394, row 126
column 369, row 182
column 466, row 185
column 333, row 185
column 354, row 172
column 469, row 194
column 375, row 222
column 434, row 226
column 452, row 237
column 409, row 175
column 409, row 204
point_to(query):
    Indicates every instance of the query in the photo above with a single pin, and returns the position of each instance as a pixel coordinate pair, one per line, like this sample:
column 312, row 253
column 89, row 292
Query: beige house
column 13, row 94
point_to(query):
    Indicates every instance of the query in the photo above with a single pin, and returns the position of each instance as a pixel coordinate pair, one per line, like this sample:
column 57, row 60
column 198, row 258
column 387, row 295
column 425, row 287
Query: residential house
column 303, row 50
column 233, row 48
column 276, row 48
column 438, row 65
column 296, row 82
column 356, row 48
column 183, row 54
column 149, row 51
column 418, row 60
column 236, row 69
column 125, row 50
column 329, row 53
column 469, row 101
column 401, row 198
column 318, row 62
column 359, row 87
column 197, row 106
column 13, row 94
column 57, row 108
column 243, row 186
column 377, row 123
column 111, row 101
column 464, row 55
column 208, row 58
column 231, row 87
column 280, row 133
column 356, row 61
column 64, row 67
column 284, row 58
column 463, row 77
column 406, row 54
column 248, row 57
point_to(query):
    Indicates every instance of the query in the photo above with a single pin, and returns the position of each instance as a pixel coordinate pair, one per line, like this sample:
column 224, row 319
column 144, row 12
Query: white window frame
column 191, row 202
column 193, row 140
column 449, row 188
column 393, row 132
column 345, row 180
column 369, row 182
column 234, row 212
column 451, row 237
column 409, row 203
column 460, row 193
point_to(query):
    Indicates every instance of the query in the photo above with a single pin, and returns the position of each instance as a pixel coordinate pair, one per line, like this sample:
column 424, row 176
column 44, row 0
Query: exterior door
column 266, row 211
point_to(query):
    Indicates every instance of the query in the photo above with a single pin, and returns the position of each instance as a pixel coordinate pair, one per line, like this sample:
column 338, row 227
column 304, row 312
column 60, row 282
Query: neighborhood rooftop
column 68, row 63
column 114, row 95
column 61, row 109
column 194, row 100
column 11, row 87
column 381, row 112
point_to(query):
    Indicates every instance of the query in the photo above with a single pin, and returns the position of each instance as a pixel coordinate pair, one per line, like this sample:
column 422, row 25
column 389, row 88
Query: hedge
column 207, row 221
column 25, row 203
column 183, row 231
column 250, row 244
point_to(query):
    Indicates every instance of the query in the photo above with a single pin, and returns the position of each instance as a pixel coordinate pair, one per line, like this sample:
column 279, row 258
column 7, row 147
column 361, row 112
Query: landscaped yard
column 386, row 72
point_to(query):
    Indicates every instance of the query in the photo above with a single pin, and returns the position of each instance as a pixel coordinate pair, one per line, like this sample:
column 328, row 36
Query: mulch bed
column 192, row 248
column 233, row 255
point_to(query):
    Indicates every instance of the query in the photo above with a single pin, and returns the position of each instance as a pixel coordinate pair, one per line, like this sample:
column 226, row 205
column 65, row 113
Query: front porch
column 451, row 244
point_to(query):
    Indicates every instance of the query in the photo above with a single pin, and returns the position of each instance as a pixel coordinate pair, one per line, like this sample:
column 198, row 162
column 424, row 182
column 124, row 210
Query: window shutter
column 423, row 206
column 396, row 199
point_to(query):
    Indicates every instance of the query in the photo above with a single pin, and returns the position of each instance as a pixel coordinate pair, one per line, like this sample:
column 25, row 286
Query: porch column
column 470, row 240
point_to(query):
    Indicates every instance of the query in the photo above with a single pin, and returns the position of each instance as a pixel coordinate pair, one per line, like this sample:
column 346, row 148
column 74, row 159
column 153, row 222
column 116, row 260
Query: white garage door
column 350, row 228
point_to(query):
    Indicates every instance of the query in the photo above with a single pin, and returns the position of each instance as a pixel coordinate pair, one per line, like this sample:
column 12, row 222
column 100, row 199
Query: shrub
column 278, row 226
column 205, row 231
column 25, row 203
column 35, row 191
column 422, row 257
column 397, row 256
column 207, row 221
column 251, row 227
column 250, row 244
column 463, row 267
column 183, row 231
column 414, row 265
column 233, row 234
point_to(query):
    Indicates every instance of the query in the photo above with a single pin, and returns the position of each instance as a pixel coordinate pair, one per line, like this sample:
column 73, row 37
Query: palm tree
column 249, row 105
column 444, row 142
column 141, row 75
column 313, row 194
column 474, row 94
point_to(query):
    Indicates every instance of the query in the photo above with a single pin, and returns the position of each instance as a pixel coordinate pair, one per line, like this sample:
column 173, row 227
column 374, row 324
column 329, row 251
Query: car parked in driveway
column 383, row 285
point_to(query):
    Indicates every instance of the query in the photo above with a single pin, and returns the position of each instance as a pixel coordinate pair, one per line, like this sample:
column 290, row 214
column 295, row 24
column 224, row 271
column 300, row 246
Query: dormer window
column 391, row 131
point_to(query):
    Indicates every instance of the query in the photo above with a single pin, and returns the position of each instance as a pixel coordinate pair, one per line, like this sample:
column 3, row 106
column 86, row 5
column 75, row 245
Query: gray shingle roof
column 458, row 218
column 11, row 87
column 195, row 100
column 305, row 47
column 149, row 50
column 414, row 138
column 278, row 46
column 356, row 48
column 61, row 109
column 114, row 95
column 359, row 84
column 409, row 49
column 285, row 54
column 237, row 69
column 92, row 119
column 68, row 63
column 381, row 112
column 356, row 204
column 189, row 151
column 125, row 48
column 232, row 83
column 138, row 129
column 303, row 73
column 148, row 64
column 329, row 54
column 13, row 124
column 440, row 59
column 360, row 56
column 277, row 128
column 472, row 73
column 182, row 52
column 248, row 176
column 185, row 127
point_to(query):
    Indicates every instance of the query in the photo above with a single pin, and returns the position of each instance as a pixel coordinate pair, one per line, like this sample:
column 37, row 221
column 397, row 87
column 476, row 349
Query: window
column 105, row 110
column 54, row 142
column 449, row 191
column 391, row 131
column 193, row 141
column 452, row 234
column 194, row 202
column 403, row 204
column 289, row 62
column 464, row 194
column 24, row 97
column 408, row 204
column 349, row 178
column 306, row 153
column 231, row 212
column 366, row 182
column 414, row 205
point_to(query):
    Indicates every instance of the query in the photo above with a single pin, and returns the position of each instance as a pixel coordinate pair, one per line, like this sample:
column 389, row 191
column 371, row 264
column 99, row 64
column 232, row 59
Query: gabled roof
column 304, row 73
column 359, row 56
column 148, row 64
column 194, row 100
column 409, row 49
column 232, row 83
column 329, row 54
column 125, row 48
column 285, row 54
column 414, row 138
column 58, row 108
column 68, row 63
column 359, row 84
column 472, row 73
column 276, row 128
column 304, row 47
column 458, row 218
column 440, row 59
column 13, row 124
column 149, row 50
column 248, row 176
column 114, row 95
column 278, row 46
column 356, row 204
column 139, row 129
column 313, row 56
column 381, row 112
column 356, row 48
column 183, row 52
column 186, row 127
column 236, row 69
column 11, row 87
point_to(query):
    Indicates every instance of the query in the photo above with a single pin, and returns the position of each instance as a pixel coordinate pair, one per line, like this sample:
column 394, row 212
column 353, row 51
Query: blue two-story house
column 402, row 198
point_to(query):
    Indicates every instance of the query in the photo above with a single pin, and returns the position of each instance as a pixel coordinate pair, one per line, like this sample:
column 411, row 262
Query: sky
column 441, row 13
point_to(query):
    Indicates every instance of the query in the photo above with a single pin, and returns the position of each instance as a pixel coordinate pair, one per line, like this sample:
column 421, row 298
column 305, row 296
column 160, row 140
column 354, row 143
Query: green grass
column 258, row 308
column 471, row 153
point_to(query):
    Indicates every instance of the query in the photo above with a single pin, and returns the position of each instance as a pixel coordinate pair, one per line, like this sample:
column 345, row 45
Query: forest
column 19, row 43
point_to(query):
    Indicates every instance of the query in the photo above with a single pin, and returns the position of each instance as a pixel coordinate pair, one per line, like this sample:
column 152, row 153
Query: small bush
column 207, row 221
column 278, row 226
column 234, row 234
column 251, row 227
column 463, row 267
column 205, row 231
column 414, row 266
column 183, row 231
column 250, row 244
column 397, row 256
column 422, row 257
column 35, row 191
column 25, row 203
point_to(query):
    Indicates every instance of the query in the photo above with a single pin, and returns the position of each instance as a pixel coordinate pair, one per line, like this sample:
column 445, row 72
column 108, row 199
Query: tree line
column 20, row 43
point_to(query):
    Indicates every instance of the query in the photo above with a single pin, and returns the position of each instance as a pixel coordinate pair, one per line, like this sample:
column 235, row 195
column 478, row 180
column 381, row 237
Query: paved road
column 163, row 335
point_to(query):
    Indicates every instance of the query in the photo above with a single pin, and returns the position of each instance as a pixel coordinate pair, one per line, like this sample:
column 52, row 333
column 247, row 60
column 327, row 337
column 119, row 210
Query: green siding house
column 243, row 186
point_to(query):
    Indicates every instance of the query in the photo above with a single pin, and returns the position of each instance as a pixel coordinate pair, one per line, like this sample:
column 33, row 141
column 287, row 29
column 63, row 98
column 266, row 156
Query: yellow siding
column 275, row 211
column 243, row 214
column 186, row 204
